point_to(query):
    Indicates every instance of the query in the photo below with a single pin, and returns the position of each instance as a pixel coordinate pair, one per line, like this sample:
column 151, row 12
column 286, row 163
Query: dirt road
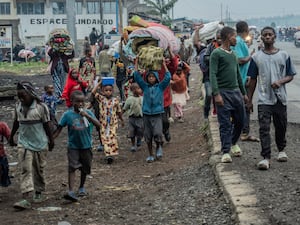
column 180, row 189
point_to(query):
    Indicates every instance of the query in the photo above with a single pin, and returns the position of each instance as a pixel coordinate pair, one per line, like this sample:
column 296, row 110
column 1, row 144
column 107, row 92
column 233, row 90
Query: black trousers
column 165, row 119
column 278, row 113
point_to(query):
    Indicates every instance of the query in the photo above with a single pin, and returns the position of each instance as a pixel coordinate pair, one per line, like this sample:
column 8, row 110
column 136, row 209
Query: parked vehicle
column 297, row 39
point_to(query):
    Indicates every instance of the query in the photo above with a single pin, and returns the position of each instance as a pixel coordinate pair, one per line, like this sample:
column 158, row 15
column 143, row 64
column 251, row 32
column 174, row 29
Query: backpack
column 203, row 66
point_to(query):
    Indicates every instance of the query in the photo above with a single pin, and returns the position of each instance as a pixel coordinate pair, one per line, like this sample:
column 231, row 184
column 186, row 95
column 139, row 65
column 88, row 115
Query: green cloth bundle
column 150, row 58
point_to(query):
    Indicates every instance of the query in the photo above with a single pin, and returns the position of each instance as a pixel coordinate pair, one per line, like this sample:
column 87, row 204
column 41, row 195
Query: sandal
column 150, row 159
column 70, row 195
column 23, row 204
column 249, row 138
column 109, row 159
column 159, row 153
column 82, row 192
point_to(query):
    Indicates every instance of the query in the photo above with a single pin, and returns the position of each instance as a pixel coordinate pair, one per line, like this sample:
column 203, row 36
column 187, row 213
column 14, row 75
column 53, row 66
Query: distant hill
column 279, row 21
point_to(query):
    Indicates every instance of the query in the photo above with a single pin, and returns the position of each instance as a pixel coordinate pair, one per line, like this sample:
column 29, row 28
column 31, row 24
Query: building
column 33, row 20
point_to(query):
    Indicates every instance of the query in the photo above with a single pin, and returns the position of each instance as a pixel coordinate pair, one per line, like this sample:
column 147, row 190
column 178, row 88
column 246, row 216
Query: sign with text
column 109, row 39
column 5, row 36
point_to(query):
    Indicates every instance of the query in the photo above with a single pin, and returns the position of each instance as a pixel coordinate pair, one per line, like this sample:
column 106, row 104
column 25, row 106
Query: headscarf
column 29, row 88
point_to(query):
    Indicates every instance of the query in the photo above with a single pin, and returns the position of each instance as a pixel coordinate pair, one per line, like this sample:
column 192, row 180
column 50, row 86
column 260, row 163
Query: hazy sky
column 239, row 9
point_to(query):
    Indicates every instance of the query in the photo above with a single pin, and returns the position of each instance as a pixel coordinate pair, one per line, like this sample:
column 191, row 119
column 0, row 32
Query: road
column 293, row 88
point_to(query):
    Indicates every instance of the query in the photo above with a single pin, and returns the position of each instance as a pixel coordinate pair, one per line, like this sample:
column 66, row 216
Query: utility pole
column 101, row 22
column 71, row 18
column 121, row 16
column 117, row 15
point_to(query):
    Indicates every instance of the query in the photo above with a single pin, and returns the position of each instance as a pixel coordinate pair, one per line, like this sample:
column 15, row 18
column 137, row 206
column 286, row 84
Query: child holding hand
column 32, row 121
column 78, row 121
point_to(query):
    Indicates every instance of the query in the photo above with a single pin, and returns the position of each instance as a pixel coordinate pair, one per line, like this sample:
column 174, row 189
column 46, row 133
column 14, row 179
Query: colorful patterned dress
column 109, row 108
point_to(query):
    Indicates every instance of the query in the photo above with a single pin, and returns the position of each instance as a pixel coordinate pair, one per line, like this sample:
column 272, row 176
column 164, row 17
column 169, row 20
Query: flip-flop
column 250, row 138
column 23, row 204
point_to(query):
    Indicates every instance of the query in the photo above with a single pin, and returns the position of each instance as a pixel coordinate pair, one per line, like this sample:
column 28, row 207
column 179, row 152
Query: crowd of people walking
column 230, row 76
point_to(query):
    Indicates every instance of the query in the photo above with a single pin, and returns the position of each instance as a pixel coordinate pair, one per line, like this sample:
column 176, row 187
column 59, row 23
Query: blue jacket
column 153, row 100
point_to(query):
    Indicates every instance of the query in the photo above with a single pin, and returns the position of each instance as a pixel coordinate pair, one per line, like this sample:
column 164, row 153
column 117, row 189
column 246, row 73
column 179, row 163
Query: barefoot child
column 110, row 111
column 78, row 121
column 32, row 121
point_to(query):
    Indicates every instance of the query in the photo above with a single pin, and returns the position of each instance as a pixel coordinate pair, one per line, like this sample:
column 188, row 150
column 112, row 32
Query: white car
column 297, row 39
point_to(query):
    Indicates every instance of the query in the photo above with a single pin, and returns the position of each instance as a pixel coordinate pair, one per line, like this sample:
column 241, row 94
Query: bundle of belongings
column 60, row 40
column 150, row 57
column 148, row 41
column 208, row 31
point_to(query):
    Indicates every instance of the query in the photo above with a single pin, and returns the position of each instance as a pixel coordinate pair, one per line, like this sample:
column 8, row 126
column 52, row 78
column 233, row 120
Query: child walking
column 133, row 106
column 78, row 121
column 95, row 105
column 87, row 69
column 4, row 167
column 32, row 121
column 229, row 93
column 179, row 89
column 109, row 111
column 128, row 82
column 74, row 82
column 51, row 101
column 121, row 76
column 153, row 107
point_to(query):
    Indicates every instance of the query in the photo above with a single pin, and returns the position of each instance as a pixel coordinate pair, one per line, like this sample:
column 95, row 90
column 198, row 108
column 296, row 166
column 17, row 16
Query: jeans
column 246, row 129
column 207, row 101
column 279, row 114
column 231, row 118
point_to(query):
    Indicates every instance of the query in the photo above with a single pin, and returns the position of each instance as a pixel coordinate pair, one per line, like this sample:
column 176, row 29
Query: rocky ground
column 278, row 189
column 180, row 189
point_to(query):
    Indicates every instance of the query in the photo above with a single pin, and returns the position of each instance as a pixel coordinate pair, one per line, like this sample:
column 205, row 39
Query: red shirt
column 72, row 85
column 4, row 132
column 172, row 67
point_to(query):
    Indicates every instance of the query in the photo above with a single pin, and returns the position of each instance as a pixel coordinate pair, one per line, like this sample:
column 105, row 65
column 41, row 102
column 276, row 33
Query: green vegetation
column 160, row 8
column 29, row 68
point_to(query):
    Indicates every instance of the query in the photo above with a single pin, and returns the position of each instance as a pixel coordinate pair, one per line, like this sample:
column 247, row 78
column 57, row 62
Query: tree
column 161, row 8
